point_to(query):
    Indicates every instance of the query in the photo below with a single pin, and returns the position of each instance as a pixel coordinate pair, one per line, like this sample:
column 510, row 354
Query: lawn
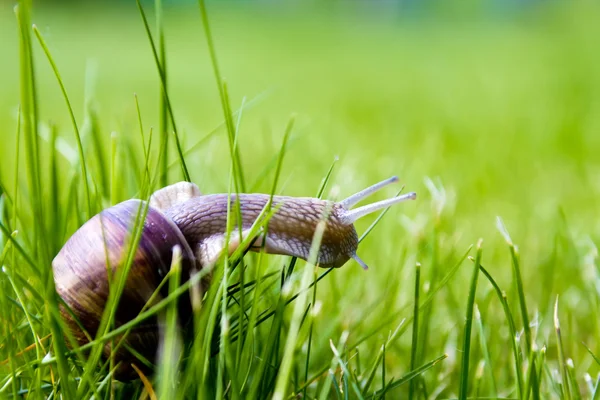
column 492, row 116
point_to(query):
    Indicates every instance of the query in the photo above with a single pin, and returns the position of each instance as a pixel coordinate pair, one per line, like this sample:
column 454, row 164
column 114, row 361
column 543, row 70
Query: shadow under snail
column 179, row 215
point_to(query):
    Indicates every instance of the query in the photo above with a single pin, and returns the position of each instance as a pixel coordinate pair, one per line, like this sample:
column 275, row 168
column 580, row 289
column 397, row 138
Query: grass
column 493, row 121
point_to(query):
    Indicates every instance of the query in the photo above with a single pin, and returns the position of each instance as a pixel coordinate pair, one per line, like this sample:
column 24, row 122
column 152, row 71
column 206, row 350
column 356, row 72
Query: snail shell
column 99, row 248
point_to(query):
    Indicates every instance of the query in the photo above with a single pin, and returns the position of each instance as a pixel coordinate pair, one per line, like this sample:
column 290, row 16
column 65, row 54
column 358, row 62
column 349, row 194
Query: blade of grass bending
column 411, row 375
column 464, row 372
column 161, row 73
column 512, row 330
column 415, row 332
column 84, row 175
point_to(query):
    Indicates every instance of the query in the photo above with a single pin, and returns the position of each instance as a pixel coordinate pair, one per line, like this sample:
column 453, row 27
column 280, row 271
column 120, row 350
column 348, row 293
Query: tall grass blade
column 464, row 370
column 415, row 332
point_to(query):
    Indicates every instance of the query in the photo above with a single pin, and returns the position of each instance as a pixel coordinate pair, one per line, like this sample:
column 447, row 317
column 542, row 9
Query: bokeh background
column 497, row 102
column 497, row 99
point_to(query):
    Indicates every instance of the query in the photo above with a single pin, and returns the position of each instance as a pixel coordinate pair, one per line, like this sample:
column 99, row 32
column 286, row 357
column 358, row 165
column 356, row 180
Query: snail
column 180, row 216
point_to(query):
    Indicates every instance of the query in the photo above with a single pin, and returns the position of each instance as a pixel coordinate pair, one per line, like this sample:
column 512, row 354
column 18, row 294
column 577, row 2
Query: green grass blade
column 415, row 331
column 464, row 370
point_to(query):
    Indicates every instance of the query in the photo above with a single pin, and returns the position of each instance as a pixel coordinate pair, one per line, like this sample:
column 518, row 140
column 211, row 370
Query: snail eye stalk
column 350, row 216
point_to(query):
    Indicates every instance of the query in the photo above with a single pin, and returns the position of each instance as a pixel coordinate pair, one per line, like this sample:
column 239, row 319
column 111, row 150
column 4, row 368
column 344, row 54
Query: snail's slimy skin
column 290, row 231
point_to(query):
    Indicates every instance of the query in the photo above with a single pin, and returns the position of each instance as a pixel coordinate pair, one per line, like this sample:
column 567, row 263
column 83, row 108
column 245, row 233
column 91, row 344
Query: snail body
column 180, row 216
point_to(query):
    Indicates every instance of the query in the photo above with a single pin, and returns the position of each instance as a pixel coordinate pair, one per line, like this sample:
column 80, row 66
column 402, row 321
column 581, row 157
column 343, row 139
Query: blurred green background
column 498, row 102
